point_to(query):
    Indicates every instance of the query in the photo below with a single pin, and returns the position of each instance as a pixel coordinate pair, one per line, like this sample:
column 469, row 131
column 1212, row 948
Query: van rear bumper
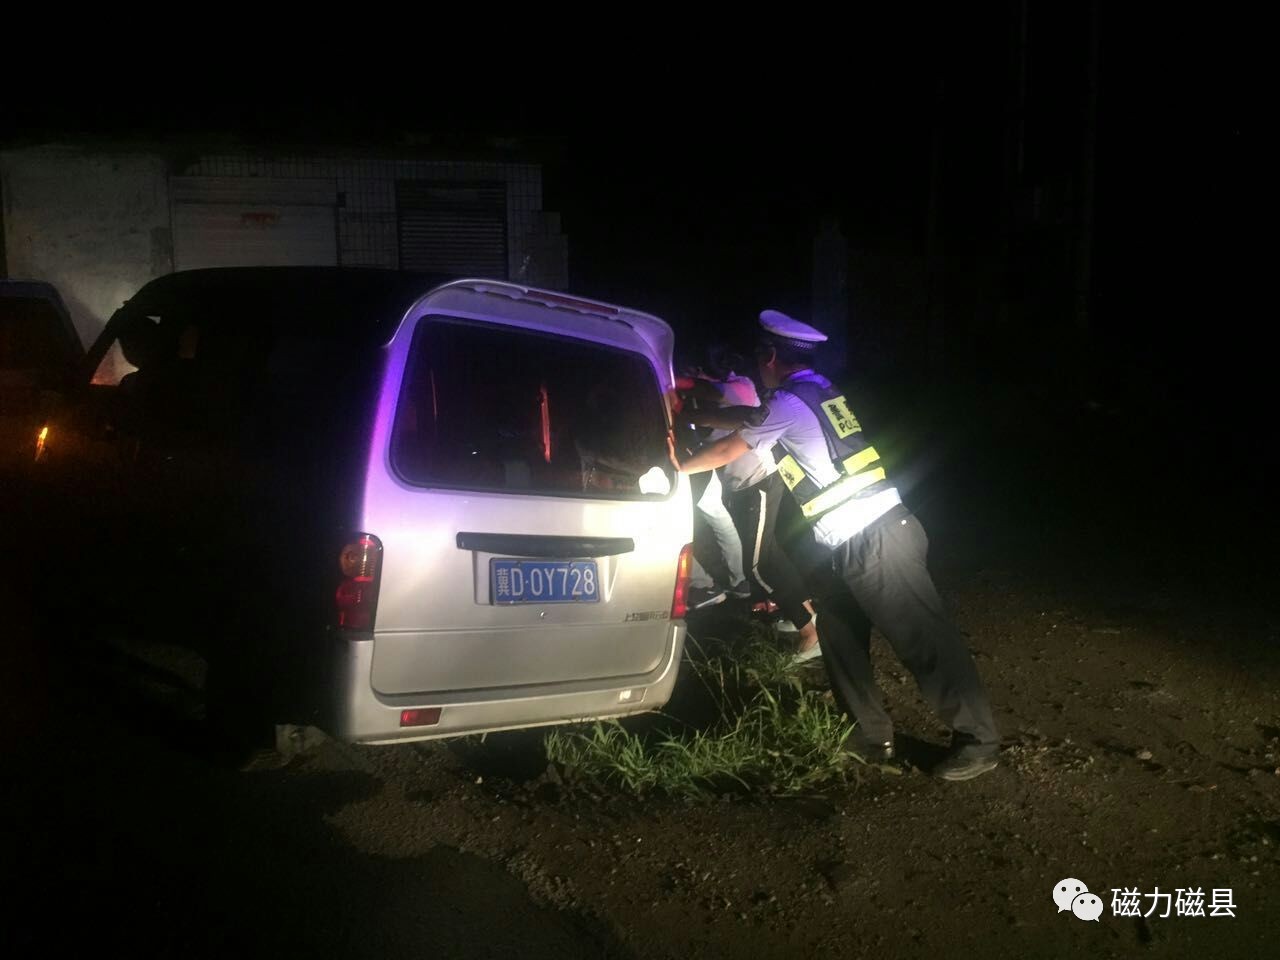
column 357, row 713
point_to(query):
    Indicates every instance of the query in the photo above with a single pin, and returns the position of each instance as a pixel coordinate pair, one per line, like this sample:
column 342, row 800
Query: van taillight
column 684, row 572
column 356, row 599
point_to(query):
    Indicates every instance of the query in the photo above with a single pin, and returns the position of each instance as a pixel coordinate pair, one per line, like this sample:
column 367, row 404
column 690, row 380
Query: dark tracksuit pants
column 795, row 534
column 881, row 579
column 755, row 512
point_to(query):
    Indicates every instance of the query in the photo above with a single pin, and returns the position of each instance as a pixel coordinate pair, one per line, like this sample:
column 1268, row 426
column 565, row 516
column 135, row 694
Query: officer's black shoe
column 967, row 762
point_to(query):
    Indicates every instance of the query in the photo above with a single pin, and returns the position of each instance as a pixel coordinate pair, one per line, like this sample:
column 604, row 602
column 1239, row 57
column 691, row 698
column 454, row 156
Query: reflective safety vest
column 861, row 473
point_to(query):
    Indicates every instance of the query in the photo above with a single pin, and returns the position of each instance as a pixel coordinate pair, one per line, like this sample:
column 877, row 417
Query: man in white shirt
column 718, row 571
column 753, row 492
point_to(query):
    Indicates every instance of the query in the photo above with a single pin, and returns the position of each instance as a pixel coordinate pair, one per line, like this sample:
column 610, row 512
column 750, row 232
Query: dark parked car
column 39, row 352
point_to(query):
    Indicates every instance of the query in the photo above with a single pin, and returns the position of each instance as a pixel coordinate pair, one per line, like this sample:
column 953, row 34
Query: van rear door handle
column 537, row 545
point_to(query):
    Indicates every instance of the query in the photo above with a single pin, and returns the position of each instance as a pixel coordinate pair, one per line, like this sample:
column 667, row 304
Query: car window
column 499, row 408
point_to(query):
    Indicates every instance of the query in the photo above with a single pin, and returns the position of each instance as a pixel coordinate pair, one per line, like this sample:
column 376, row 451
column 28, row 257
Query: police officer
column 878, row 553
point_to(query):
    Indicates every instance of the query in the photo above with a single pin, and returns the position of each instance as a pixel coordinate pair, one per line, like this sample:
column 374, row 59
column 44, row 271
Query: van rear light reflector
column 356, row 597
column 359, row 558
column 684, row 573
column 422, row 717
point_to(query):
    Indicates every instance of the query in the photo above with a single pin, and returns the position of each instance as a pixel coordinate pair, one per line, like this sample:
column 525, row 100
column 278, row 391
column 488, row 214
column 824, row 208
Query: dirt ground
column 1136, row 691
column 1142, row 750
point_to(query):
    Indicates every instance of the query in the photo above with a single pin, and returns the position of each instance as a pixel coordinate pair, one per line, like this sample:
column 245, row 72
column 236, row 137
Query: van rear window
column 501, row 408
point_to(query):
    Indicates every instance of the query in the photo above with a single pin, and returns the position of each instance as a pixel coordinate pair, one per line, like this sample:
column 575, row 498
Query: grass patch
column 759, row 731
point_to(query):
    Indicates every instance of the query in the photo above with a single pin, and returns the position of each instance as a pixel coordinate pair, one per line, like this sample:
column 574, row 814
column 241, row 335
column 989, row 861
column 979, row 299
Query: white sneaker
column 702, row 597
column 804, row 656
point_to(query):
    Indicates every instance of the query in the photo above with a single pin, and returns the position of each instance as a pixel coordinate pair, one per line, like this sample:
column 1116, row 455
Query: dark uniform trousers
column 881, row 579
column 755, row 512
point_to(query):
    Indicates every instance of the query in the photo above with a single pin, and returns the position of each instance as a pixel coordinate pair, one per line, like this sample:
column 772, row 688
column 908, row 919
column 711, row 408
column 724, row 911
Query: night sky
column 691, row 180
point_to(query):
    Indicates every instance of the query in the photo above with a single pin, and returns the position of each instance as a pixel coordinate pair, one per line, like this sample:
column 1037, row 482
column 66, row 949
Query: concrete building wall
column 99, row 225
column 367, row 229
column 94, row 225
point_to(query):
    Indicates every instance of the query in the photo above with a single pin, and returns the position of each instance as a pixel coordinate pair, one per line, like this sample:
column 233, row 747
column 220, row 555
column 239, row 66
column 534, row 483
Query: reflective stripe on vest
column 857, row 462
column 860, row 460
column 844, row 489
column 815, row 500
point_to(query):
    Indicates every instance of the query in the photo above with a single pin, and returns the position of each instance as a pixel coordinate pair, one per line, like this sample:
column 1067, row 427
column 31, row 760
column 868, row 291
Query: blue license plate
column 543, row 581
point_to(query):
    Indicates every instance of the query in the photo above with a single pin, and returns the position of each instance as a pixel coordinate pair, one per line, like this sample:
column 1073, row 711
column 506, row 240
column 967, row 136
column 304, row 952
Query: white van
column 430, row 509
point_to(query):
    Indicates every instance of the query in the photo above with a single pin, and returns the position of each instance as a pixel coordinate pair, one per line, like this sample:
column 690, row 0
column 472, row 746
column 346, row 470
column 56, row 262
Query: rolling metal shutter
column 453, row 228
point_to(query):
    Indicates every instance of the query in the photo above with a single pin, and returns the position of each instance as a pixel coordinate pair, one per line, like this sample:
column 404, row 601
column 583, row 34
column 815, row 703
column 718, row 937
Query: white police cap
column 779, row 328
